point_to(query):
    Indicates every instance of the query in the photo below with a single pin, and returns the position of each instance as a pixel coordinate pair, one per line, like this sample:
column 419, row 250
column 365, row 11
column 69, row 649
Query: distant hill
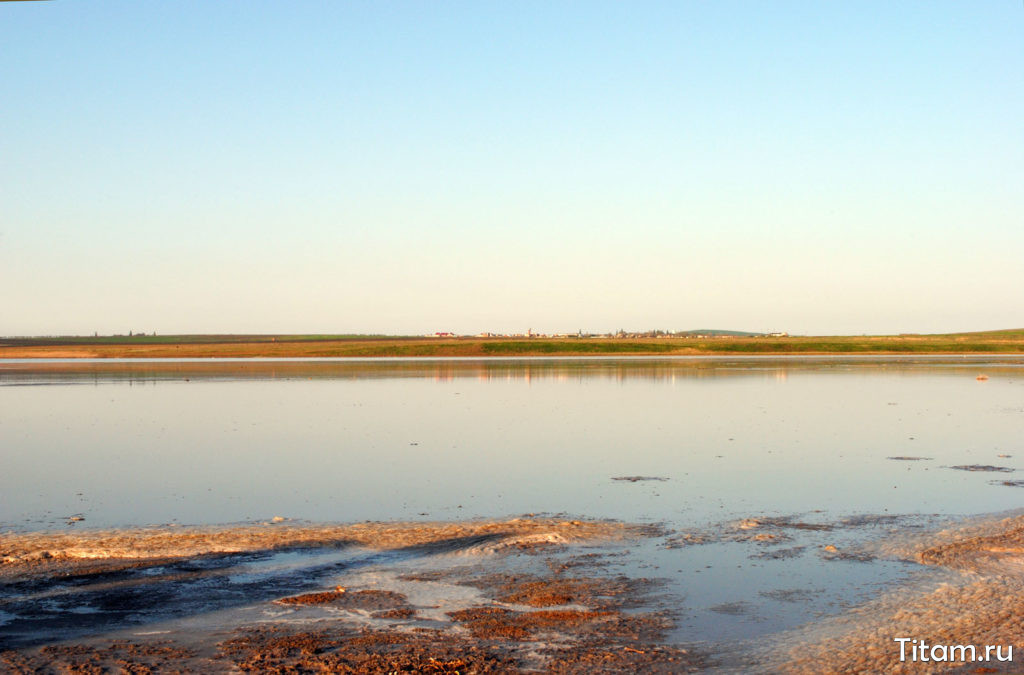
column 718, row 332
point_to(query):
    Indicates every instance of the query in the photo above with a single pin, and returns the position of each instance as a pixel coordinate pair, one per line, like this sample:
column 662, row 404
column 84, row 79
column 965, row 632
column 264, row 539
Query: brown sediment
column 276, row 651
column 436, row 651
column 484, row 638
column 420, row 621
column 119, row 656
column 531, row 590
column 312, row 598
column 549, row 591
column 397, row 613
column 370, row 600
column 1006, row 546
column 614, row 659
column 88, row 551
column 498, row 622
column 555, row 591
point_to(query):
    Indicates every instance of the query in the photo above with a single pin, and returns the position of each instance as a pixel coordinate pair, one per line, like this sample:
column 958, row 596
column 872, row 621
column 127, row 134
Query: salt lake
column 827, row 451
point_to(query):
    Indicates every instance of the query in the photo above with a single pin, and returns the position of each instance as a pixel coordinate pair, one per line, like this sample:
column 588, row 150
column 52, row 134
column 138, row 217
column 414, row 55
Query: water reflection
column 341, row 441
column 209, row 442
column 45, row 371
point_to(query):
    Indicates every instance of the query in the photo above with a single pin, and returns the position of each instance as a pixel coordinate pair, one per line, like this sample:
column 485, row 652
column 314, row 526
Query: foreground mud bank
column 519, row 595
column 495, row 596
column 86, row 551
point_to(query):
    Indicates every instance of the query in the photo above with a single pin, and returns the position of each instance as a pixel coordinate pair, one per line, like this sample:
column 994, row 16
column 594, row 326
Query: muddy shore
column 519, row 595
column 970, row 594
column 489, row 596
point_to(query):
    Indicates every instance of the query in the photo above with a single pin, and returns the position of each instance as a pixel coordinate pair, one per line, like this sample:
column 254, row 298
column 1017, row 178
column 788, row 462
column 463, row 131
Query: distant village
column 617, row 335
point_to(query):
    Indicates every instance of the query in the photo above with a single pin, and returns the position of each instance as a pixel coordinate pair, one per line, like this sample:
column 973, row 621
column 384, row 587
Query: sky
column 411, row 167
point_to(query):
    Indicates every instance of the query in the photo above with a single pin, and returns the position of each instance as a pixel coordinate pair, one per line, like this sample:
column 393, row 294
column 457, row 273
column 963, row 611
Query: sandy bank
column 974, row 597
column 65, row 552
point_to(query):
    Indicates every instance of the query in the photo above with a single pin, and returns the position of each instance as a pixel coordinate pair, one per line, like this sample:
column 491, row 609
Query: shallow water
column 122, row 443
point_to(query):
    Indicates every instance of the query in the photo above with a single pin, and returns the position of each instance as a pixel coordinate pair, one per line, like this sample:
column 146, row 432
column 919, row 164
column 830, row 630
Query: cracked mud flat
column 475, row 597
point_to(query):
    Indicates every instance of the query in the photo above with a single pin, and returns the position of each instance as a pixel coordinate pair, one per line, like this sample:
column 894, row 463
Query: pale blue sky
column 406, row 167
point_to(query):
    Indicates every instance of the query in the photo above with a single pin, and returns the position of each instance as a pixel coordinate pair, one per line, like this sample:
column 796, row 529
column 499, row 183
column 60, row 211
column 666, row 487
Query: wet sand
column 970, row 592
column 519, row 595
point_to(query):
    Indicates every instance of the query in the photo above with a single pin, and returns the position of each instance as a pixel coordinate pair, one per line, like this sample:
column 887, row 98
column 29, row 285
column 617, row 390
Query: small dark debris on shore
column 1008, row 483
column 779, row 553
column 831, row 553
column 732, row 608
column 637, row 479
column 791, row 594
column 982, row 467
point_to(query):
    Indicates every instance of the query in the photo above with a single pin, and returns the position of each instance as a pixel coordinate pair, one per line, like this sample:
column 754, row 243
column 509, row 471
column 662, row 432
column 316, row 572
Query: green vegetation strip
column 284, row 346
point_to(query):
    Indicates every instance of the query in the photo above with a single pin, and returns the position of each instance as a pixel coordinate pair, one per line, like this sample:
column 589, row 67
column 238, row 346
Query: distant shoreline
column 300, row 346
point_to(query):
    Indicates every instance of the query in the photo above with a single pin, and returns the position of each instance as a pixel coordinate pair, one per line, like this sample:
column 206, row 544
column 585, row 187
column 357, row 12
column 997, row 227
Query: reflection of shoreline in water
column 25, row 372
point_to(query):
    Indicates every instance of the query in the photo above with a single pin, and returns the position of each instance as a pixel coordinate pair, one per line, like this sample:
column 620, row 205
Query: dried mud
column 369, row 600
column 104, row 551
column 379, row 620
column 119, row 656
column 518, row 596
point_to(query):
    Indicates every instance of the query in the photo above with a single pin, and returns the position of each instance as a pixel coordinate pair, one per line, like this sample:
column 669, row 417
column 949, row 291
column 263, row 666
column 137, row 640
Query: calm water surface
column 133, row 443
